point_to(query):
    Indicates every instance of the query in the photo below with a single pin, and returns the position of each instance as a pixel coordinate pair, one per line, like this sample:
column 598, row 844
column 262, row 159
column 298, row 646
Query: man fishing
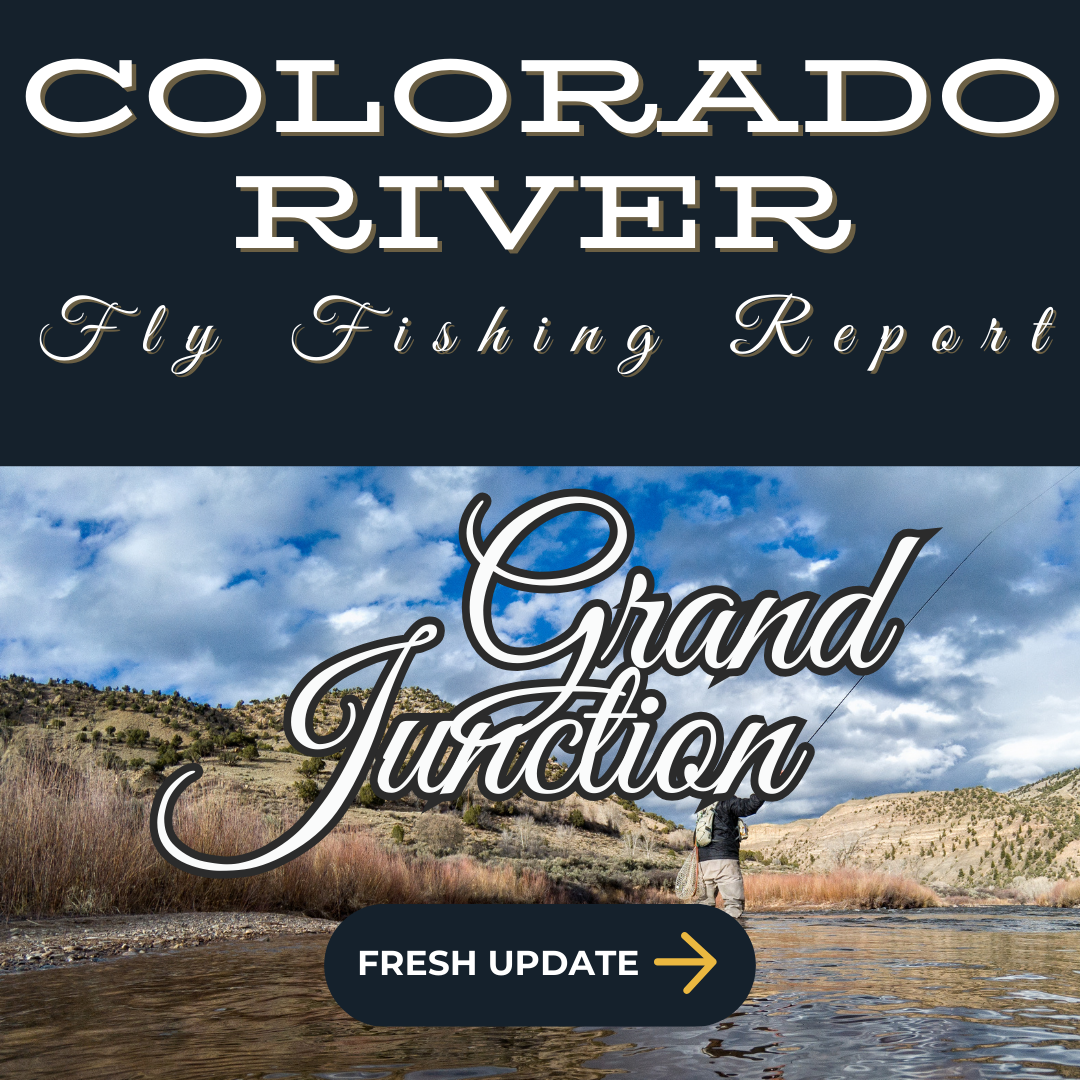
column 718, row 835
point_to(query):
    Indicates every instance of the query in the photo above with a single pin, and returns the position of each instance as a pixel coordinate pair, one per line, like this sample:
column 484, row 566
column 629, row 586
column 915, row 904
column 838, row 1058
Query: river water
column 939, row 993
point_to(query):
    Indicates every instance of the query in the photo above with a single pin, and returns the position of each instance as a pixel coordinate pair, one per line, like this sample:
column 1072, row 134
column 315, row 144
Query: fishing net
column 689, row 884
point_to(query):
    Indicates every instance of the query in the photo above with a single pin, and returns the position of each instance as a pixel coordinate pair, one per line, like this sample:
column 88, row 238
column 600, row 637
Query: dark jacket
column 725, row 833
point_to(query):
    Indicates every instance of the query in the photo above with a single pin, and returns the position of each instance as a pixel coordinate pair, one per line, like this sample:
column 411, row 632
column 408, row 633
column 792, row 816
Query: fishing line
column 1061, row 480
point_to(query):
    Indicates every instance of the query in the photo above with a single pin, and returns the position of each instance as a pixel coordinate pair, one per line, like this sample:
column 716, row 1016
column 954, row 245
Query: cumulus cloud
column 231, row 583
column 1030, row 713
column 221, row 583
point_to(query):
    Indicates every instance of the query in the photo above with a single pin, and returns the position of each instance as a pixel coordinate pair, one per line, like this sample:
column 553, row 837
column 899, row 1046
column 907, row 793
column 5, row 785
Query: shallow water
column 969, row 993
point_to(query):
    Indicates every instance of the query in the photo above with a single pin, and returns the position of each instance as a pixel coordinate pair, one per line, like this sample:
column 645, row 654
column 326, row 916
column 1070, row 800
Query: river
column 939, row 993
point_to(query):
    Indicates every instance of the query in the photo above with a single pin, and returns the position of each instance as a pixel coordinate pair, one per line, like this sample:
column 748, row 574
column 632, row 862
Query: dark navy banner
column 640, row 232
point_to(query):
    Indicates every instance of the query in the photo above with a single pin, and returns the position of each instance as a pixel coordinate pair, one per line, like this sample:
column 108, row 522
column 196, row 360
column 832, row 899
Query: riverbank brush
column 1063, row 894
column 75, row 840
column 843, row 888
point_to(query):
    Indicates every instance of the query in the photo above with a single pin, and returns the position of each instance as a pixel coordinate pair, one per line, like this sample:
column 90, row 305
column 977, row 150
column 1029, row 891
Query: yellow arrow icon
column 706, row 963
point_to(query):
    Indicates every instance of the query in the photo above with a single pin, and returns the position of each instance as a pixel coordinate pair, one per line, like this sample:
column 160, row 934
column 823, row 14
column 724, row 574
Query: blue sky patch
column 245, row 575
column 305, row 543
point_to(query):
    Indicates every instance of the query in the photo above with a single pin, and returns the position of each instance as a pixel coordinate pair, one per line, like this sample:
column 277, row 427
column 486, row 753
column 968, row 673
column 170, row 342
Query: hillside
column 970, row 838
column 966, row 841
column 139, row 736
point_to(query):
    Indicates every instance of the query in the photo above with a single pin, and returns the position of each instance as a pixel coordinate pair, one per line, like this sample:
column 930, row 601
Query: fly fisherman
column 718, row 842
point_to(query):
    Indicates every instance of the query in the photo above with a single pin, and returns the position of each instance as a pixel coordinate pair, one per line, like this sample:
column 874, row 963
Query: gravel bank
column 28, row 944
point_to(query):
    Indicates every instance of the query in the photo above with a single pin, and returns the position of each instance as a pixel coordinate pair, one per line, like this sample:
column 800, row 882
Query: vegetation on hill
column 968, row 839
column 121, row 739
column 79, row 764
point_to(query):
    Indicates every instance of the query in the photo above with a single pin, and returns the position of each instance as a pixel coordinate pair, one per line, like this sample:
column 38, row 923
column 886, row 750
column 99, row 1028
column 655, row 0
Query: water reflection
column 965, row 994
column 927, row 994
column 238, row 1009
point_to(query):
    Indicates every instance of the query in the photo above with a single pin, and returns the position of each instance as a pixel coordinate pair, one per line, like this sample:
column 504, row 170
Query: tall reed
column 843, row 888
column 1063, row 894
column 78, row 840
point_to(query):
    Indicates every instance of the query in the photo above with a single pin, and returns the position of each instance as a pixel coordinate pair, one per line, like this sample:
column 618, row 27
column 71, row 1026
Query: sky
column 230, row 584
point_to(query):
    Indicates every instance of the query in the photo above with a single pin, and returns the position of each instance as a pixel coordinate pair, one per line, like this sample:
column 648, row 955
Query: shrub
column 366, row 797
column 199, row 748
column 167, row 756
column 577, row 818
column 311, row 766
column 522, row 839
column 441, row 834
column 249, row 753
column 135, row 736
column 307, row 789
column 397, row 834
column 110, row 730
column 471, row 816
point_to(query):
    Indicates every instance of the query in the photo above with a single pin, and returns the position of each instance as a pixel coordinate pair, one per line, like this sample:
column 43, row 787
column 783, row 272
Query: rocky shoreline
column 33, row 944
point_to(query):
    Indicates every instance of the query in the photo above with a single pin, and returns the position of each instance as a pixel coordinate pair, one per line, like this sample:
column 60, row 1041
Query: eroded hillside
column 139, row 737
column 970, row 837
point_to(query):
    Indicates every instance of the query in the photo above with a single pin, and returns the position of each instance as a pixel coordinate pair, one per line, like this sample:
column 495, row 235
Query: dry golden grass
column 73, row 840
column 840, row 889
column 76, row 839
column 1063, row 894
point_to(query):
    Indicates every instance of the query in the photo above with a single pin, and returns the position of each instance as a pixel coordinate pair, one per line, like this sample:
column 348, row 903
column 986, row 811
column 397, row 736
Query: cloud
column 348, row 622
column 811, row 571
column 1031, row 709
column 223, row 583
column 923, row 660
column 231, row 583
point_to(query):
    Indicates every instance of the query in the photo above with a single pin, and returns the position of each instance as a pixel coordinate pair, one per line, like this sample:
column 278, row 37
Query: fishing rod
column 854, row 686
